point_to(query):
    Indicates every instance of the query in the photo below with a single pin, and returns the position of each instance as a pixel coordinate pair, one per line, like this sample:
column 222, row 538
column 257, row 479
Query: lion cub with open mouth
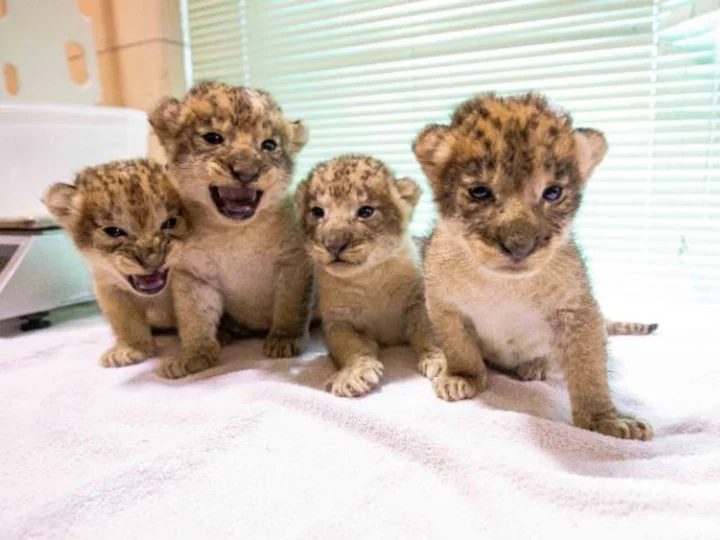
column 355, row 215
column 231, row 152
column 505, row 281
column 127, row 220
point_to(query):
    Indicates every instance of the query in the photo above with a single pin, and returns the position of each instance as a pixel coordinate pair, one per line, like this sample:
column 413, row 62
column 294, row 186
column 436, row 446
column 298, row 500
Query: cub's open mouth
column 236, row 202
column 149, row 283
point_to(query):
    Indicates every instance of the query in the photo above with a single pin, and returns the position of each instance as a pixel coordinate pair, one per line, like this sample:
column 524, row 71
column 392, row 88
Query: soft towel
column 255, row 449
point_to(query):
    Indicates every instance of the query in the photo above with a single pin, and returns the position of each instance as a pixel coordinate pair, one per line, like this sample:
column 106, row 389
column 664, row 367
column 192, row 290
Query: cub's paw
column 431, row 363
column 187, row 363
column 619, row 425
column 356, row 379
column 455, row 387
column 534, row 370
column 122, row 355
column 280, row 346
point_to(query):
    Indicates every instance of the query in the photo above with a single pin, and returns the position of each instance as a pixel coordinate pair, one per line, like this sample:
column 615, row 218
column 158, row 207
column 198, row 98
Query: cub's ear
column 409, row 191
column 590, row 150
column 299, row 135
column 63, row 201
column 165, row 119
column 433, row 148
column 301, row 198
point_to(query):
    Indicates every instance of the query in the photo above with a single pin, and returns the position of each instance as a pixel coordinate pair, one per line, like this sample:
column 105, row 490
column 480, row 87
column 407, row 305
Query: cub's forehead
column 502, row 129
column 358, row 177
column 218, row 103
column 135, row 189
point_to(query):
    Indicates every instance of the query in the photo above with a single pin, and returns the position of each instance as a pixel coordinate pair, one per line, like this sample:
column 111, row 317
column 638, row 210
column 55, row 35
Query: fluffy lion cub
column 126, row 218
column 231, row 151
column 505, row 281
column 355, row 215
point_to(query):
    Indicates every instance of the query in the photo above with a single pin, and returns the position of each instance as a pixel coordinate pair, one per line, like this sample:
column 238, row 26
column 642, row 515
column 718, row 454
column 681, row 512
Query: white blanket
column 254, row 449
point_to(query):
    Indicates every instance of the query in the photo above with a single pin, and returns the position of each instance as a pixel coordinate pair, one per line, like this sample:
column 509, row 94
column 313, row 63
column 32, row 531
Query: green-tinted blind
column 367, row 75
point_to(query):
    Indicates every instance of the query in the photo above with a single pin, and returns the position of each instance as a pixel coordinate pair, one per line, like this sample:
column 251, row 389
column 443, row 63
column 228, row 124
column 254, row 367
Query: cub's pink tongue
column 150, row 283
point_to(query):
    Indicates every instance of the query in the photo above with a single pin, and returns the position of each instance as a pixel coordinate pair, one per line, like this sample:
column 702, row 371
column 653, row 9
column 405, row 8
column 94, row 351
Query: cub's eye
column 114, row 232
column 365, row 211
column 169, row 223
column 213, row 138
column 317, row 212
column 480, row 193
column 269, row 145
column 552, row 193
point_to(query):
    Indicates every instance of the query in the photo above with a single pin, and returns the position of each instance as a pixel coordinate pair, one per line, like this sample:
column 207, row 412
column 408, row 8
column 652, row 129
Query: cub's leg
column 356, row 357
column 291, row 312
column 583, row 358
column 134, row 341
column 198, row 308
column 431, row 360
column 465, row 373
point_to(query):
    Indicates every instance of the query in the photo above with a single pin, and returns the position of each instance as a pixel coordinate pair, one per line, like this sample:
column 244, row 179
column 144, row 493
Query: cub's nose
column 336, row 247
column 518, row 249
column 245, row 175
column 152, row 261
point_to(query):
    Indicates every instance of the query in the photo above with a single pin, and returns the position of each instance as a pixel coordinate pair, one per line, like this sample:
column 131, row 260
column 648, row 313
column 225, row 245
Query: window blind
column 366, row 76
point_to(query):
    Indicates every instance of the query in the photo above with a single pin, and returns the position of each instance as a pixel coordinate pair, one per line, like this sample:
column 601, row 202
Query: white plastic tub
column 41, row 144
column 40, row 269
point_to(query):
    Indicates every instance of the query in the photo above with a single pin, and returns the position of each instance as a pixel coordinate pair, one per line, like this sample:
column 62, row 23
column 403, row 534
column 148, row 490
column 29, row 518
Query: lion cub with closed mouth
column 231, row 151
column 127, row 220
column 506, row 283
column 355, row 215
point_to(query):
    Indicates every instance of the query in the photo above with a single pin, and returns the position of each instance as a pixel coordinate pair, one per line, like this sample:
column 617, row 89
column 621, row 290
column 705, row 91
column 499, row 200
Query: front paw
column 189, row 362
column 282, row 346
column 122, row 355
column 618, row 425
column 456, row 387
column 431, row 363
column 356, row 379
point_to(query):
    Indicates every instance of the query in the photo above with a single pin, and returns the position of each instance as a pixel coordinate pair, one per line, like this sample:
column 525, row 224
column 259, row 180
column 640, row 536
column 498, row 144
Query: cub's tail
column 615, row 328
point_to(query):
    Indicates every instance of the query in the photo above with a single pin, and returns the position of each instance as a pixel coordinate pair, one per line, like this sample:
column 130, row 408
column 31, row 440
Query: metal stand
column 35, row 321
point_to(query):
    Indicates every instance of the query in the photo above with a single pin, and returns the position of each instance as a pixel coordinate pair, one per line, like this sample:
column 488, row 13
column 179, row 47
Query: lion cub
column 231, row 151
column 126, row 218
column 355, row 215
column 505, row 281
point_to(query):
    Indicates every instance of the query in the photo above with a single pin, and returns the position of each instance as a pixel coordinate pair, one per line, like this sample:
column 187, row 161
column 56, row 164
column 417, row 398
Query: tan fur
column 506, row 284
column 255, row 268
column 370, row 292
column 137, row 197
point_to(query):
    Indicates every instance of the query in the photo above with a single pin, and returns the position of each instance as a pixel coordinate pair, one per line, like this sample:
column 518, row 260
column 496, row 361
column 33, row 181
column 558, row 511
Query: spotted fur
column 369, row 279
column 136, row 197
column 506, row 284
column 251, row 264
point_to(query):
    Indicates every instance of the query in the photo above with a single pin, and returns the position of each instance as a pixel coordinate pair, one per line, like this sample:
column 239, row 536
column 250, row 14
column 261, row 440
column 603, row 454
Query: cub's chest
column 376, row 305
column 217, row 258
column 246, row 266
column 510, row 330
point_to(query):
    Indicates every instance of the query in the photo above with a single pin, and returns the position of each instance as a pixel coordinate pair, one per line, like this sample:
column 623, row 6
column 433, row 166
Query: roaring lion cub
column 355, row 215
column 126, row 218
column 506, row 283
column 231, row 151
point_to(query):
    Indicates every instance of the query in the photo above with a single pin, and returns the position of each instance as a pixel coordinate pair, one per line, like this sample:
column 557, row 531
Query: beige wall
column 139, row 46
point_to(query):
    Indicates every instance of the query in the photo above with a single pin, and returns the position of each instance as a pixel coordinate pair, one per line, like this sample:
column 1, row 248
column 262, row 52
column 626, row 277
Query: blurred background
column 367, row 75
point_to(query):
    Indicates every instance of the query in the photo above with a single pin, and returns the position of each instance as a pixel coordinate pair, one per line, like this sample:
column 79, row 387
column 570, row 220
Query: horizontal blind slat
column 367, row 76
